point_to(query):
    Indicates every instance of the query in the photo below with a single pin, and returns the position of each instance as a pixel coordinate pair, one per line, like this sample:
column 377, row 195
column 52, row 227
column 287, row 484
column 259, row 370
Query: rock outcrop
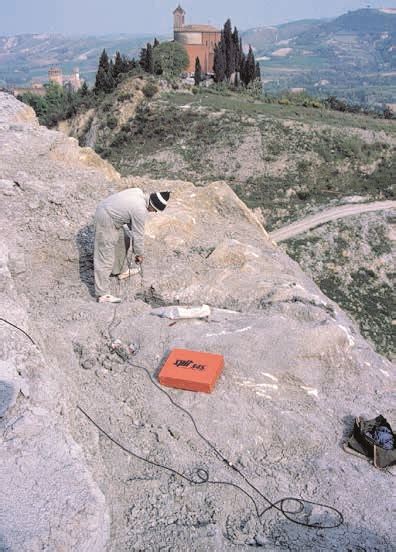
column 296, row 373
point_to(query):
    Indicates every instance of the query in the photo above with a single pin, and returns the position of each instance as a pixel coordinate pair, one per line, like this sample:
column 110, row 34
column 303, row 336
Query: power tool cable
column 203, row 475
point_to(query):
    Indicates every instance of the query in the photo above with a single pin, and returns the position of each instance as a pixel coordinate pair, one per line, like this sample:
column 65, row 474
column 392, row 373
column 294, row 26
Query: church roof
column 199, row 29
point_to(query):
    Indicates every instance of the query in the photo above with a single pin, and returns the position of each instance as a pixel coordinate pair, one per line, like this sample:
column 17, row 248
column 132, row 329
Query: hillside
column 27, row 57
column 296, row 373
column 262, row 38
column 285, row 160
column 352, row 57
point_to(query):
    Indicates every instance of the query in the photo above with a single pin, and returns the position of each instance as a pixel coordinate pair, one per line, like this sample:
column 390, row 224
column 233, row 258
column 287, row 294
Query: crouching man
column 128, row 207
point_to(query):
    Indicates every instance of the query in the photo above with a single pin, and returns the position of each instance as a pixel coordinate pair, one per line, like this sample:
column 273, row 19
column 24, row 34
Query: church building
column 198, row 40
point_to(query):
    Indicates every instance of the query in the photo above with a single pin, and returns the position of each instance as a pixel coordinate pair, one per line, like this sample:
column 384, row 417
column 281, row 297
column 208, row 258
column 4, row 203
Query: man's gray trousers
column 111, row 251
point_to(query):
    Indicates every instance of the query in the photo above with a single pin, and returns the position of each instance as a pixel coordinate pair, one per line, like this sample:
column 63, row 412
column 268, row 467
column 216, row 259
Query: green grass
column 173, row 123
column 341, row 258
column 240, row 104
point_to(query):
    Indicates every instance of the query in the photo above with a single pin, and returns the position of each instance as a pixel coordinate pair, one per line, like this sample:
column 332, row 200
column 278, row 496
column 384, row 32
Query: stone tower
column 178, row 18
column 55, row 75
column 75, row 79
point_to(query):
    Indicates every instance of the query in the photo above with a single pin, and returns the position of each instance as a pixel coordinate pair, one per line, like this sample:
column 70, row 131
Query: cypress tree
column 101, row 75
column 198, row 72
column 84, row 90
column 250, row 67
column 258, row 71
column 104, row 61
column 229, row 49
column 128, row 64
column 149, row 59
column 118, row 66
column 100, row 81
column 158, row 70
column 219, row 66
column 156, row 42
column 109, row 83
column 237, row 49
column 125, row 63
column 143, row 58
column 242, row 69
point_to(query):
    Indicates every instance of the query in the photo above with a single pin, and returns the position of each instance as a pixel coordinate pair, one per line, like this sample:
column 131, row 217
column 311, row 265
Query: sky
column 155, row 16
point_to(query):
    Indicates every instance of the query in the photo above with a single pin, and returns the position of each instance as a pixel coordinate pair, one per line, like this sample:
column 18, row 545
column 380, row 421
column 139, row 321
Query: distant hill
column 27, row 57
column 264, row 37
column 352, row 56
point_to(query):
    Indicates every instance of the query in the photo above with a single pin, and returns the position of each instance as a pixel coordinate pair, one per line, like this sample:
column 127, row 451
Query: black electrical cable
column 20, row 329
column 203, row 474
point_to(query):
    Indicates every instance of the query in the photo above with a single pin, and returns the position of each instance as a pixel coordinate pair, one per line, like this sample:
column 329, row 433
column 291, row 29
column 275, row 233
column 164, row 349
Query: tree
column 219, row 65
column 149, row 66
column 258, row 71
column 104, row 79
column 84, row 90
column 158, row 66
column 38, row 103
column 229, row 49
column 198, row 72
column 250, row 67
column 104, row 61
column 100, row 81
column 237, row 49
column 110, row 83
column 143, row 58
column 172, row 57
column 242, row 68
column 156, row 42
column 118, row 67
column 55, row 94
column 128, row 64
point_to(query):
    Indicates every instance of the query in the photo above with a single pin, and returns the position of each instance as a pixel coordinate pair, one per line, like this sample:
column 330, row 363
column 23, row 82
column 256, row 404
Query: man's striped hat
column 159, row 200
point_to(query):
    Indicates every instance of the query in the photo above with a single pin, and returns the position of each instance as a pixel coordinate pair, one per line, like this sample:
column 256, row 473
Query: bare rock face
column 296, row 373
column 12, row 111
column 49, row 499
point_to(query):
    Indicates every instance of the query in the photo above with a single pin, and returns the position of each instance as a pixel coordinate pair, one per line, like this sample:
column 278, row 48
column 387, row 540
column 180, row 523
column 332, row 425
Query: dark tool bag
column 364, row 440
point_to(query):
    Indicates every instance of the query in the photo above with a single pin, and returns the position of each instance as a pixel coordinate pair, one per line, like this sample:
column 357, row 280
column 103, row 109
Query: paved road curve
column 307, row 223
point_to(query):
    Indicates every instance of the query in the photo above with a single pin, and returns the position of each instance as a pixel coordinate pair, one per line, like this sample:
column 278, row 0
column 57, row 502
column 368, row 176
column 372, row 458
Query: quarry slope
column 297, row 372
column 288, row 161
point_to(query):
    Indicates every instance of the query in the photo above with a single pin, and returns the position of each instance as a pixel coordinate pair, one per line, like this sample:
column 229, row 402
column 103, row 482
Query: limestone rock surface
column 296, row 373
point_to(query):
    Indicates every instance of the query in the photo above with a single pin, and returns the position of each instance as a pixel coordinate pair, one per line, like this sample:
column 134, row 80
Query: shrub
column 150, row 90
column 106, row 106
column 303, row 194
column 125, row 97
column 111, row 121
column 120, row 139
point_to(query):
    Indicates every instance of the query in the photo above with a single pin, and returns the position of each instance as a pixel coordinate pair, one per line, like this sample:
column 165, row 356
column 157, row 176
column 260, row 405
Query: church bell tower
column 178, row 18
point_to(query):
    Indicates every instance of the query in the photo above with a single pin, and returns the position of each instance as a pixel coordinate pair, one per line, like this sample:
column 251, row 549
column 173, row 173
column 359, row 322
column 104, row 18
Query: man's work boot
column 128, row 273
column 109, row 299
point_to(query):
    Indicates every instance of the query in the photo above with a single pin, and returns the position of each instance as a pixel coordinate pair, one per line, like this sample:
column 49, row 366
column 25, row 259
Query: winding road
column 312, row 221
